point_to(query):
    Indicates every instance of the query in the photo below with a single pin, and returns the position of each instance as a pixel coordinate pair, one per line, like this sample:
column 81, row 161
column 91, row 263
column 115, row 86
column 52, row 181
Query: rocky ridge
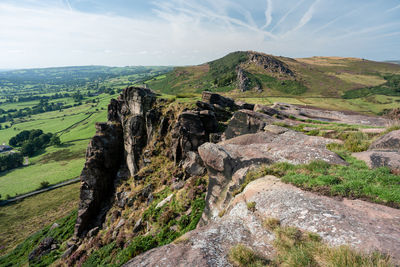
column 122, row 183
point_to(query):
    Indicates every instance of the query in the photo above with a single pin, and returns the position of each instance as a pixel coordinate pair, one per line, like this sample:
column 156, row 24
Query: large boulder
column 192, row 130
column 364, row 226
column 383, row 152
column 219, row 100
column 389, row 141
column 247, row 122
column 376, row 159
column 228, row 162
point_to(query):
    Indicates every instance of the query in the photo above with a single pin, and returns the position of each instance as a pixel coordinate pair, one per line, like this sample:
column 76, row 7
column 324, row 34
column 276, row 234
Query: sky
column 46, row 33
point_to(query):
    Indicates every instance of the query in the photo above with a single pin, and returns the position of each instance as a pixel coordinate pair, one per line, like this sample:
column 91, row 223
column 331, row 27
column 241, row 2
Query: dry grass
column 367, row 80
column 298, row 248
column 20, row 220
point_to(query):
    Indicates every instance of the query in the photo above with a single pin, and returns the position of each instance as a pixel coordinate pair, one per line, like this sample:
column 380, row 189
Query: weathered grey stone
column 363, row 226
column 103, row 158
column 227, row 162
column 389, row 141
column 193, row 165
column 246, row 122
column 376, row 159
column 216, row 99
column 45, row 246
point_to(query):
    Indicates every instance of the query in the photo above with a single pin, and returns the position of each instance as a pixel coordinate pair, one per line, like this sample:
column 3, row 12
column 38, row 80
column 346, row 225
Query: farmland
column 73, row 123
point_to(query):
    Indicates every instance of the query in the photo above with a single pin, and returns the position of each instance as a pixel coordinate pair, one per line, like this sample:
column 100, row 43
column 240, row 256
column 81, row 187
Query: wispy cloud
column 68, row 4
column 268, row 14
column 290, row 11
column 305, row 18
column 393, row 8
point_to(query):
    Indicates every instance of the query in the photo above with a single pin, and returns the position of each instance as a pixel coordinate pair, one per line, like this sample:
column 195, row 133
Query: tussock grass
column 298, row 248
column 294, row 247
column 243, row 256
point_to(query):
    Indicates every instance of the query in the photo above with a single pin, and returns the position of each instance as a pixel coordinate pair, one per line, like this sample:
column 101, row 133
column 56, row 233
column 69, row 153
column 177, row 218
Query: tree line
column 31, row 141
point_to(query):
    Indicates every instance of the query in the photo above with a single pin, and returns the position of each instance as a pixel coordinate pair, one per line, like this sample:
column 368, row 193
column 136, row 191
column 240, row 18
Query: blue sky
column 42, row 33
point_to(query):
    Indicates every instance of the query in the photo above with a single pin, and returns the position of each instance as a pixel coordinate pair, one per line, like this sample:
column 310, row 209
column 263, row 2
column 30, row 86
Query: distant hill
column 393, row 61
column 257, row 74
column 74, row 75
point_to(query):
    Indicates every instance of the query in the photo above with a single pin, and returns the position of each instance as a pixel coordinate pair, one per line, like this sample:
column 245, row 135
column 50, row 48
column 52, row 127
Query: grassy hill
column 344, row 83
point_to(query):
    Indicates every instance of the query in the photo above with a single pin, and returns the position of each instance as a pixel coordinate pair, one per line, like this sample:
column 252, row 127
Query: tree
column 55, row 140
column 28, row 149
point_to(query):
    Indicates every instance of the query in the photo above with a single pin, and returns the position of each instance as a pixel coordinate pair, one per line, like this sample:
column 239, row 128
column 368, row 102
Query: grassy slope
column 324, row 77
column 24, row 218
column 75, row 127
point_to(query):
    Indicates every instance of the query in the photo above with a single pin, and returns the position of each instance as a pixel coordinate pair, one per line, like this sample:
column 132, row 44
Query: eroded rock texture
column 228, row 162
column 361, row 225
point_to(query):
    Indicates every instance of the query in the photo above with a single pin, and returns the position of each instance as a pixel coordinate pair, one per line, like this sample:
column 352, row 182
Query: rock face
column 385, row 151
column 103, row 158
column 228, row 162
column 142, row 130
column 216, row 99
column 243, row 80
column 361, row 225
column 245, row 122
column 191, row 131
column 134, row 110
column 270, row 63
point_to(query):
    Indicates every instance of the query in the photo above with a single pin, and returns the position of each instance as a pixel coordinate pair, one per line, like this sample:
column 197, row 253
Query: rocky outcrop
column 385, row 151
column 45, row 247
column 219, row 100
column 243, row 80
column 246, row 122
column 271, row 64
column 192, row 130
column 228, row 162
column 103, row 158
column 137, row 116
column 376, row 159
column 363, row 226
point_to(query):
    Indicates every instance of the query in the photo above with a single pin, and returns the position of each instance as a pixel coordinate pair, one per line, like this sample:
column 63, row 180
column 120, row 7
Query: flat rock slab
column 363, row 226
column 330, row 115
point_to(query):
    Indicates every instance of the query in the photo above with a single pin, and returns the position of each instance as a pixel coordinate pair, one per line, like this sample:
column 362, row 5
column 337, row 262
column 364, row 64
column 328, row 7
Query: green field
column 73, row 124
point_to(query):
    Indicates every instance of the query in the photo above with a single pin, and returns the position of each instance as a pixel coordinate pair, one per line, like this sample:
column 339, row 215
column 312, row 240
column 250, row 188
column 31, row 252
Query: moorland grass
column 19, row 220
column 294, row 247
